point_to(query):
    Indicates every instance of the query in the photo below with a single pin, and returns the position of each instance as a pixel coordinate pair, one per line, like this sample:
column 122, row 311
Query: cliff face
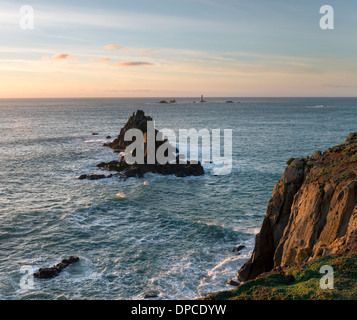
column 312, row 212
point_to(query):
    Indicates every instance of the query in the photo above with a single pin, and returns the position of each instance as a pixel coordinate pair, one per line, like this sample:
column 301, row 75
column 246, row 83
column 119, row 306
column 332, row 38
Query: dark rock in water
column 229, row 101
column 92, row 176
column 163, row 101
column 139, row 121
column 151, row 294
column 51, row 272
column 139, row 170
column 109, row 137
column 173, row 101
column 95, row 133
column 232, row 283
column 238, row 249
column 96, row 176
column 114, row 165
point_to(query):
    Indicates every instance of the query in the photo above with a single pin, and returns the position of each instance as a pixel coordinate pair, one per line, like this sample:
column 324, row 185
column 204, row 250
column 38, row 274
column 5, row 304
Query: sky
column 182, row 48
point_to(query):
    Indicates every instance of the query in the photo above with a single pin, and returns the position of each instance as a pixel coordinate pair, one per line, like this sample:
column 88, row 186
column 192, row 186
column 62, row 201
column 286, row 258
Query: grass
column 339, row 165
column 300, row 283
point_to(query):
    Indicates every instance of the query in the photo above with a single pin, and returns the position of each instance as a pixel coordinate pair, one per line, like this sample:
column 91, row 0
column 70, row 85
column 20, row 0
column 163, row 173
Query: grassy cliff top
column 299, row 283
column 338, row 164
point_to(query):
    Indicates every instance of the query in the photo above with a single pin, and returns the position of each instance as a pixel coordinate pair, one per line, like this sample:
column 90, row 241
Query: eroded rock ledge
column 312, row 212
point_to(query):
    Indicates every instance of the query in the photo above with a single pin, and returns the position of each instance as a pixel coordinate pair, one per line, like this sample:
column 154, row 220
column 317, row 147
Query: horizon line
column 183, row 97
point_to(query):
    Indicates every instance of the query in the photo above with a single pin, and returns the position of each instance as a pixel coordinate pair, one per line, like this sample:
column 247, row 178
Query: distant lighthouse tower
column 202, row 99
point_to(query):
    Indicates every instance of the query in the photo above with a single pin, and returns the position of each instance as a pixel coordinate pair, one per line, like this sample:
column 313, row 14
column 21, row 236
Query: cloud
column 112, row 47
column 146, row 51
column 60, row 56
column 100, row 59
column 132, row 63
column 128, row 50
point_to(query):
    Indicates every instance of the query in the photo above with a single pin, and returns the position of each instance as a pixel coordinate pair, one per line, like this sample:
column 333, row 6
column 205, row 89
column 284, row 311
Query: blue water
column 165, row 234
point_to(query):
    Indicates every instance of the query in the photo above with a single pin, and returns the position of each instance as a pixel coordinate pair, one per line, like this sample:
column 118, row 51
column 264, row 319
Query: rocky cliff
column 312, row 212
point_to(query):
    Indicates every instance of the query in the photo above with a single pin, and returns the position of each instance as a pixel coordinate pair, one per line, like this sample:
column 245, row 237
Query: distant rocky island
column 311, row 220
column 138, row 120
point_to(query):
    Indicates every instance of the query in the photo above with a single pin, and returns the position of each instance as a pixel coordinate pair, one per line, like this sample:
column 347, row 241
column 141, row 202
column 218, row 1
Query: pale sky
column 182, row 48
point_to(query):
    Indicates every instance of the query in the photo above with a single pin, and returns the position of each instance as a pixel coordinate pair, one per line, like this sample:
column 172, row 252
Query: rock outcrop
column 92, row 176
column 312, row 212
column 140, row 121
column 51, row 272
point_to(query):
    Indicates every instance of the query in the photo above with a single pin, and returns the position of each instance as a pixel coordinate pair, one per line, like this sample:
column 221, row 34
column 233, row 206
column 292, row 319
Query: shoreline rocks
column 233, row 283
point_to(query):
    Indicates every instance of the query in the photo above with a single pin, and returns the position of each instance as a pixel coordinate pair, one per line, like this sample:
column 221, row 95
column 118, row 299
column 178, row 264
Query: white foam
column 216, row 278
column 95, row 140
column 121, row 195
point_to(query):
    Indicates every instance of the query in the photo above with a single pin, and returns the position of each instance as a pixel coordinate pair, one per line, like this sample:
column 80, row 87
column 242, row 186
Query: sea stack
column 140, row 121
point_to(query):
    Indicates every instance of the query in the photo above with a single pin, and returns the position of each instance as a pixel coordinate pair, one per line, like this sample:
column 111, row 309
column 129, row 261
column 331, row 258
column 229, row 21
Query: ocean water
column 159, row 233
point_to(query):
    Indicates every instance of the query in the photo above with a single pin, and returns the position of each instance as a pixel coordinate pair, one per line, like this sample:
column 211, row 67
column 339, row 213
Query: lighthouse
column 202, row 99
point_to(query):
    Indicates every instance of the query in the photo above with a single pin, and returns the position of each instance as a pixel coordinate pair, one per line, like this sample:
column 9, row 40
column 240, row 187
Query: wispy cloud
column 132, row 63
column 60, row 56
column 128, row 50
column 112, row 47
column 100, row 59
column 146, row 51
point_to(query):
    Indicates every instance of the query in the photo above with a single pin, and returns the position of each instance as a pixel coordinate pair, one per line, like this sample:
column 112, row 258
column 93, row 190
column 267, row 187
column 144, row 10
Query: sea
column 163, row 234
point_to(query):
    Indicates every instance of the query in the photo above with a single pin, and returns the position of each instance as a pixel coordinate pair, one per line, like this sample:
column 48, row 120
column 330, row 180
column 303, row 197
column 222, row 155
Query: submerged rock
column 238, row 249
column 51, row 272
column 151, row 294
column 92, row 176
